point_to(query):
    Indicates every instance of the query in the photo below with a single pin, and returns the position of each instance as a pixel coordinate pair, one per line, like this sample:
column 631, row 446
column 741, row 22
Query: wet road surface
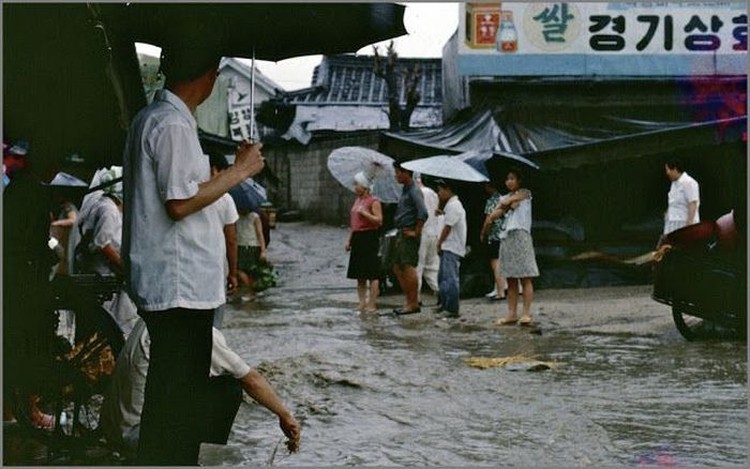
column 626, row 389
column 398, row 391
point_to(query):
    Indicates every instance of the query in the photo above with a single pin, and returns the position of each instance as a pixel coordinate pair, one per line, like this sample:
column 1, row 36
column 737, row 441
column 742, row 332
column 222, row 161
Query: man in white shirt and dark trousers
column 452, row 247
column 683, row 199
column 172, row 248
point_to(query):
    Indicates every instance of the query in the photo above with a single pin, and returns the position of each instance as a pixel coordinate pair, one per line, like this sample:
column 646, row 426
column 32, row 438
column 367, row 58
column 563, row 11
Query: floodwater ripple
column 398, row 391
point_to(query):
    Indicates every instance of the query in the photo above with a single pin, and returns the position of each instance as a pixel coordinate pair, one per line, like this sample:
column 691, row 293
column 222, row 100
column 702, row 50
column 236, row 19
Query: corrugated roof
column 350, row 80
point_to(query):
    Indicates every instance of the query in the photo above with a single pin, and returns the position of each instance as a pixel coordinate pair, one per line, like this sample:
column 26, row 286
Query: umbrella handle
column 252, row 100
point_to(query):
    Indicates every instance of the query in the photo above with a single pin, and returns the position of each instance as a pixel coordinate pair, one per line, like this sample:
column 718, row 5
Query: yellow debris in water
column 488, row 362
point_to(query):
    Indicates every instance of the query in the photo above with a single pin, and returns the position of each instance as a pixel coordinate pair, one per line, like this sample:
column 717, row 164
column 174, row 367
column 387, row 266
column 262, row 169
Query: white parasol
column 345, row 162
column 444, row 166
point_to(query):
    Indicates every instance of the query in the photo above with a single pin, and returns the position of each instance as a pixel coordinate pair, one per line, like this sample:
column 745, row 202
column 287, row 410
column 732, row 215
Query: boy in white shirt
column 451, row 247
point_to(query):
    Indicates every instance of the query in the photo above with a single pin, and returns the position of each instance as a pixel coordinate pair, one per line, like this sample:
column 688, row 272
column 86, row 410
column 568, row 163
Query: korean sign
column 240, row 122
column 641, row 38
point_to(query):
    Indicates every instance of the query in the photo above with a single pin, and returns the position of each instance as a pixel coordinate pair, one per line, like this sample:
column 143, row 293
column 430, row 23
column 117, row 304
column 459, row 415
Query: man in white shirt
column 683, row 199
column 123, row 400
column 172, row 242
column 428, row 265
column 452, row 247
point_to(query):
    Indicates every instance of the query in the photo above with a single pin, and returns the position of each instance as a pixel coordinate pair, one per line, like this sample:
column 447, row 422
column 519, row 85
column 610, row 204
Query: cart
column 703, row 277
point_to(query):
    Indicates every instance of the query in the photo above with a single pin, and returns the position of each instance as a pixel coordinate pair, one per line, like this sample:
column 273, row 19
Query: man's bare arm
column 257, row 387
column 692, row 210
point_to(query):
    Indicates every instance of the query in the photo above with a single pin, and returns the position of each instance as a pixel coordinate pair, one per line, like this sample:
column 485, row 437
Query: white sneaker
column 491, row 294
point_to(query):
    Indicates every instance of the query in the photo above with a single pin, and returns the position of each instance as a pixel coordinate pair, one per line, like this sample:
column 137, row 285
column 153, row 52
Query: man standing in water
column 410, row 216
column 683, row 199
column 172, row 249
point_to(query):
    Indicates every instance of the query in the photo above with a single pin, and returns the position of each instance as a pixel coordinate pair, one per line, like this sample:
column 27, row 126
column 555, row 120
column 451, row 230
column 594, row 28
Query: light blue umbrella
column 345, row 162
column 445, row 166
column 248, row 195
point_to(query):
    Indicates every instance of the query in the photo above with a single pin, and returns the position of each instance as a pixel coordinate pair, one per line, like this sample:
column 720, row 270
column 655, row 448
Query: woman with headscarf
column 366, row 217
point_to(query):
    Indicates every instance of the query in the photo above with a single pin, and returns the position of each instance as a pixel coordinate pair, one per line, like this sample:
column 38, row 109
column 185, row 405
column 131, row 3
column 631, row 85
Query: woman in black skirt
column 365, row 219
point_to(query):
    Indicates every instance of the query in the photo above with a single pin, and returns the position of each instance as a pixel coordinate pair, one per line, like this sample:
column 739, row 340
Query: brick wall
column 306, row 185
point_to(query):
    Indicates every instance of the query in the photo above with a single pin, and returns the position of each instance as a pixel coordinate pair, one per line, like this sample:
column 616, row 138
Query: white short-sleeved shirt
column 123, row 400
column 434, row 223
column 246, row 235
column 455, row 217
column 682, row 191
column 172, row 264
column 103, row 220
column 227, row 210
column 519, row 218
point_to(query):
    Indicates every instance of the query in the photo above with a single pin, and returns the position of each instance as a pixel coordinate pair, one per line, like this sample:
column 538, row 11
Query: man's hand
column 409, row 233
column 249, row 159
column 292, row 430
column 232, row 284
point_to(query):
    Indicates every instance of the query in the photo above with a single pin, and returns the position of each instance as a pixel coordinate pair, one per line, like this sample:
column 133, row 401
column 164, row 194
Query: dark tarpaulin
column 601, row 148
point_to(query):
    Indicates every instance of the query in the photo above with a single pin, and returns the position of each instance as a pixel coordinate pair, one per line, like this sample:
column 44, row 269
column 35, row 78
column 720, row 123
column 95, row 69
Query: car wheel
column 690, row 327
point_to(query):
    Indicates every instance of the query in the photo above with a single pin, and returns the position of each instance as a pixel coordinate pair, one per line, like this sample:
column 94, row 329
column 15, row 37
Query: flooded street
column 625, row 388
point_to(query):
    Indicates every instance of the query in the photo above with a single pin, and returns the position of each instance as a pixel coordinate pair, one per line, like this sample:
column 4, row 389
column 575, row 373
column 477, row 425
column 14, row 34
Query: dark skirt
column 363, row 258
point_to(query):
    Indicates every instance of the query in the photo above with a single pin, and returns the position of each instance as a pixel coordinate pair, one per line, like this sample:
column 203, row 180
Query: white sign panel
column 240, row 122
column 637, row 38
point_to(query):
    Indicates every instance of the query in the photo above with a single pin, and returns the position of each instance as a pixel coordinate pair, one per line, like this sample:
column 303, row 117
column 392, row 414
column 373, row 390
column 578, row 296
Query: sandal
column 526, row 321
column 506, row 322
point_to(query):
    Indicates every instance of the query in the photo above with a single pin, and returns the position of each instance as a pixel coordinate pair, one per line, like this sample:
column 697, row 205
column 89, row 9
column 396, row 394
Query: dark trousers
column 176, row 386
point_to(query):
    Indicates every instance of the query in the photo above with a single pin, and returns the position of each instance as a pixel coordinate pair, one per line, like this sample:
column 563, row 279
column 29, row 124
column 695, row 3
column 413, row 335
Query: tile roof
column 347, row 79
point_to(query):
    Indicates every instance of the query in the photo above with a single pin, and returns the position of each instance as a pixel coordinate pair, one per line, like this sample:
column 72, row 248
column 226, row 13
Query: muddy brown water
column 398, row 390
column 381, row 390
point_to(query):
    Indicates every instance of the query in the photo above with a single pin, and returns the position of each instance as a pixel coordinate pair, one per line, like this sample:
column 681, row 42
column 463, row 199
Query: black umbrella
column 500, row 163
column 269, row 31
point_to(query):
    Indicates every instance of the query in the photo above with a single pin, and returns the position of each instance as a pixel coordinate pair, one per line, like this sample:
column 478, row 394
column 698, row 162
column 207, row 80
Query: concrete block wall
column 306, row 185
